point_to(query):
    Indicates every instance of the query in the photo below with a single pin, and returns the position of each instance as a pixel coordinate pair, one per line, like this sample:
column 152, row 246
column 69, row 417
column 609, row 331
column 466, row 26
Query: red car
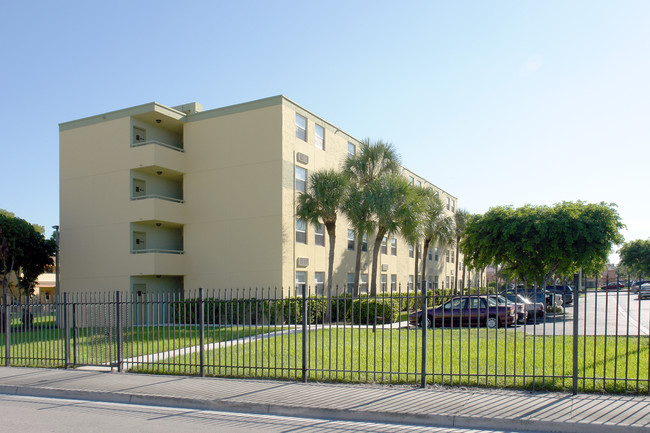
column 467, row 311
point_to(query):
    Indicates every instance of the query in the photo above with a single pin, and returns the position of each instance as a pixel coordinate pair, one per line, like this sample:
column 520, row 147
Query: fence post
column 201, row 333
column 575, row 333
column 424, row 322
column 304, row 332
column 7, row 326
column 66, row 331
column 119, row 342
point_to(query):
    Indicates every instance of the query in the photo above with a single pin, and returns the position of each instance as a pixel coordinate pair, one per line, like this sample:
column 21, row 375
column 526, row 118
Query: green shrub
column 364, row 311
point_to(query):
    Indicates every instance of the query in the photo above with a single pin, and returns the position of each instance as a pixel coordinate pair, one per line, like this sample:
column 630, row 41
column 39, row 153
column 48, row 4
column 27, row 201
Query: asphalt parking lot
column 599, row 313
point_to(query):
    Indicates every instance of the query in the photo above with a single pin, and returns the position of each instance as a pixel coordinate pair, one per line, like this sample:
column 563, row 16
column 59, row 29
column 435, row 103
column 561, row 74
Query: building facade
column 158, row 199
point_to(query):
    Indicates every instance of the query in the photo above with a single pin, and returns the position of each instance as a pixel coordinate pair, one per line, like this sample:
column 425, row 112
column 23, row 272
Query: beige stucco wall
column 233, row 200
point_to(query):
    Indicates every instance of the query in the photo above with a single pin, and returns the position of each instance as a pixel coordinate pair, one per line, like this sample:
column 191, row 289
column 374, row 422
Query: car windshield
column 491, row 302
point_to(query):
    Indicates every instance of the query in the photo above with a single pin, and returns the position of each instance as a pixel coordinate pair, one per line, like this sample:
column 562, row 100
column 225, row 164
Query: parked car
column 565, row 291
column 538, row 295
column 612, row 286
column 472, row 310
column 644, row 291
column 635, row 286
column 534, row 310
column 520, row 307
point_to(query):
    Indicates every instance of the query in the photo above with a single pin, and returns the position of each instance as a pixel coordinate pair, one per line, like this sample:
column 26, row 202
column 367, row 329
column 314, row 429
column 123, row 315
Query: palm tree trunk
column 331, row 231
column 415, row 273
column 425, row 250
column 375, row 256
column 456, row 271
column 357, row 266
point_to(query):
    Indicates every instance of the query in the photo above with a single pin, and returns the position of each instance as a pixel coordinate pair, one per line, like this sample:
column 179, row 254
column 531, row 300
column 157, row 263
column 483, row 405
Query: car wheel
column 492, row 322
column 428, row 323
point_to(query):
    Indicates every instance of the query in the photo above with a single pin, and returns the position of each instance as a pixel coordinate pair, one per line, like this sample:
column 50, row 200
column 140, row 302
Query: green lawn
column 477, row 357
column 45, row 347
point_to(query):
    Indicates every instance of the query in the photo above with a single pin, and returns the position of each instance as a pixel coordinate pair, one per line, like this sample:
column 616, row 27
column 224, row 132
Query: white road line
column 634, row 324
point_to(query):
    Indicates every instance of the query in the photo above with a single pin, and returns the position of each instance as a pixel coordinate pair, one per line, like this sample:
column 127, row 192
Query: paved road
column 37, row 414
column 600, row 313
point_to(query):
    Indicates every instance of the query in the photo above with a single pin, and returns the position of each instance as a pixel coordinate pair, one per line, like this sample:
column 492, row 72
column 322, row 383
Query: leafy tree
column 373, row 161
column 536, row 242
column 24, row 250
column 460, row 223
column 635, row 257
column 322, row 202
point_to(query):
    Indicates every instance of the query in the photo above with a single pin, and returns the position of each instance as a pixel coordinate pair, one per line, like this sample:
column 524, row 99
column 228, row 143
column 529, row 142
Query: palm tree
column 374, row 161
column 438, row 228
column 460, row 223
column 391, row 199
column 321, row 202
column 412, row 229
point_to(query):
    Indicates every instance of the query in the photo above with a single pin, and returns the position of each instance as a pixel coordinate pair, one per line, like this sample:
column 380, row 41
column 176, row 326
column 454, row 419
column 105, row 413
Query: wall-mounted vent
column 384, row 268
column 302, row 158
column 303, row 262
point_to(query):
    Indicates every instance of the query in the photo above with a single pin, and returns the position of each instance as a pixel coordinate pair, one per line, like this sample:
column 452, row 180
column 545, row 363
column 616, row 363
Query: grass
column 493, row 358
column 45, row 347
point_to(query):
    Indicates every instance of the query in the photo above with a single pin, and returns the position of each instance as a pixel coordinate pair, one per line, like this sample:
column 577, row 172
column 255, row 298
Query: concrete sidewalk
column 435, row 406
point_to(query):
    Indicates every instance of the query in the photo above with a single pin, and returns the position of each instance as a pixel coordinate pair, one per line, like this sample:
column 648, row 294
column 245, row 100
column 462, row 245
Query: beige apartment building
column 158, row 199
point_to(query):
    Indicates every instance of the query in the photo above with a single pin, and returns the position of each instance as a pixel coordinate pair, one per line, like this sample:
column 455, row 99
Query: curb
column 449, row 421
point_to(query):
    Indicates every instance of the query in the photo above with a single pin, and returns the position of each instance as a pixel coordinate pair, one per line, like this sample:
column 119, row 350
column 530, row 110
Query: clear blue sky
column 497, row 102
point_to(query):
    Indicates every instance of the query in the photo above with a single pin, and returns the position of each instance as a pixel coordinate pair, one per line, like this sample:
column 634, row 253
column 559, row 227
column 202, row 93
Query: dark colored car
column 565, row 291
column 473, row 310
column 612, row 286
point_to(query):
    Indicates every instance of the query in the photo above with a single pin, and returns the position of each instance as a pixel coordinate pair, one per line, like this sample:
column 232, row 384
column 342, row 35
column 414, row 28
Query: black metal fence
column 581, row 341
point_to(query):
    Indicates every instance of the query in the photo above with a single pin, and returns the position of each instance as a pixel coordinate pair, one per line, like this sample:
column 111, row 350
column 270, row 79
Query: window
column 435, row 256
column 451, row 281
column 319, row 139
column 411, row 250
column 351, row 240
column 410, row 285
column 319, row 283
column 419, row 183
column 448, row 203
column 352, row 150
column 452, row 257
column 301, row 179
column 350, row 282
column 446, row 282
column 435, row 282
column 393, row 247
column 393, row 282
column 301, row 231
column 447, row 256
column 301, row 127
column 301, row 282
column 319, row 235
column 411, row 180
column 363, row 284
column 364, row 242
column 384, row 246
column 384, row 282
column 430, row 254
column 453, row 205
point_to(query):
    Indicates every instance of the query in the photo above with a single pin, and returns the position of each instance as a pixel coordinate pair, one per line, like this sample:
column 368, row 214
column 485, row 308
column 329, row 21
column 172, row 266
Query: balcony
column 157, row 262
column 158, row 154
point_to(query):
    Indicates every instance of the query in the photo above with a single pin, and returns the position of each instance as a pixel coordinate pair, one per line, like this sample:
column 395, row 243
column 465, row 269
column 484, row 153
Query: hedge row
column 363, row 309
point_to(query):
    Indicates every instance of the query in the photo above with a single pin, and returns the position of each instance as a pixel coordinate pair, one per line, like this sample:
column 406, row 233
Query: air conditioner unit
column 384, row 268
column 302, row 158
column 303, row 262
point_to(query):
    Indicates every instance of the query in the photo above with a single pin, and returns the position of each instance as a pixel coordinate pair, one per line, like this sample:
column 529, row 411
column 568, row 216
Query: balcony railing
column 157, row 250
column 162, row 197
column 159, row 143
